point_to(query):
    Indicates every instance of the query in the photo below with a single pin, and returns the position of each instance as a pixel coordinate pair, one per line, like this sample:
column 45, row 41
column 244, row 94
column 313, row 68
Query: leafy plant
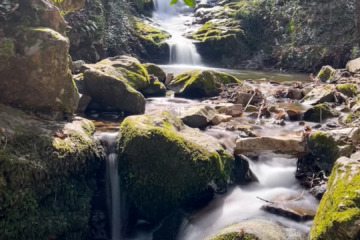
column 190, row 3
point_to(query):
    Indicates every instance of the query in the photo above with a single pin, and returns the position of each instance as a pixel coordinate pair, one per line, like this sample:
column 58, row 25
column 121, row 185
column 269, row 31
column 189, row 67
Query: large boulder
column 338, row 214
column 109, row 93
column 259, row 229
column 164, row 163
column 320, row 112
column 34, row 63
column 48, row 171
column 125, row 68
column 155, row 89
column 320, row 94
column 198, row 84
column 284, row 145
column 156, row 71
column 198, row 116
column 353, row 66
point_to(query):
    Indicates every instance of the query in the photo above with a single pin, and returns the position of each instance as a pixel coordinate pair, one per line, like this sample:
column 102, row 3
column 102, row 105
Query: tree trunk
column 357, row 20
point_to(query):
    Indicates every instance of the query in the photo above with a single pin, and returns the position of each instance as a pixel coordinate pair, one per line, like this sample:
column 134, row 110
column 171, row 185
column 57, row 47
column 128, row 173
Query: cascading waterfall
column 182, row 50
column 113, row 181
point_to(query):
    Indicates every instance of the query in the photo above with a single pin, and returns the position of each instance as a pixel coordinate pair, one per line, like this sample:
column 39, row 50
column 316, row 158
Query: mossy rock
column 156, row 71
column 324, row 149
column 109, row 93
column 348, row 89
column 125, row 68
column 257, row 229
column 155, row 89
column 198, row 84
column 320, row 111
column 165, row 164
column 46, row 182
column 326, row 73
column 339, row 210
column 40, row 72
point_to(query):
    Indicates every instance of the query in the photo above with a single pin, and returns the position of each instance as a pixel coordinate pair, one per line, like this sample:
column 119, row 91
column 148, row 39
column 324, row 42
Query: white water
column 172, row 19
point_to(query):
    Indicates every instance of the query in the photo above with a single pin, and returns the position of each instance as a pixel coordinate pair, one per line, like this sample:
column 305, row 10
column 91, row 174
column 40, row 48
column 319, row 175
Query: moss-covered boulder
column 200, row 83
column 34, row 64
column 156, row 71
column 155, row 89
column 338, row 214
column 165, row 164
column 320, row 112
column 46, row 181
column 125, row 68
column 109, row 93
column 348, row 89
column 326, row 73
column 257, row 229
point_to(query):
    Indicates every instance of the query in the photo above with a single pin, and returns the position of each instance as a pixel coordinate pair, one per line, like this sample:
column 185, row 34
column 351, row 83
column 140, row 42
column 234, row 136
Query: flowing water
column 173, row 19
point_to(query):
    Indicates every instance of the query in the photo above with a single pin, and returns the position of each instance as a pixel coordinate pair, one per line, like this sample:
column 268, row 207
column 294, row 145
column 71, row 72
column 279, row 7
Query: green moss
column 155, row 89
column 326, row 73
column 348, row 89
column 46, row 183
column 150, row 33
column 197, row 84
column 135, row 80
column 339, row 209
column 325, row 150
column 155, row 70
column 7, row 48
column 169, row 170
column 319, row 112
column 236, row 236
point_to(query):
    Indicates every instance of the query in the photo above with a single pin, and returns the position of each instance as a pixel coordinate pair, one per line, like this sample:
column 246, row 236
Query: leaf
column 173, row 2
column 190, row 3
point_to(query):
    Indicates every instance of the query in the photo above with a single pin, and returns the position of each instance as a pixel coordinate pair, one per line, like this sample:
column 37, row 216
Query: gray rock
column 76, row 66
column 296, row 94
column 234, row 110
column 353, row 66
column 198, row 116
column 219, row 118
column 83, row 103
column 319, row 94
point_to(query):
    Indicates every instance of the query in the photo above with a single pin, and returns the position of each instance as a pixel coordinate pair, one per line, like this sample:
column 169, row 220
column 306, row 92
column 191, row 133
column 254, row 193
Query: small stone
column 219, row 118
column 273, row 109
column 234, row 110
column 316, row 126
column 302, row 123
column 280, row 122
column 293, row 115
column 251, row 108
column 296, row 94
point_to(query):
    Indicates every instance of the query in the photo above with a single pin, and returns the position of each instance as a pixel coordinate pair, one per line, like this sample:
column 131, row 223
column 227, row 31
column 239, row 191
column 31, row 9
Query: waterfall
column 116, row 202
column 182, row 50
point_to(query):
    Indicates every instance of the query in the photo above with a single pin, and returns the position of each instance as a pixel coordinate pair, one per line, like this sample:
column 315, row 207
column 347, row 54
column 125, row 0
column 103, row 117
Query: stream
column 275, row 173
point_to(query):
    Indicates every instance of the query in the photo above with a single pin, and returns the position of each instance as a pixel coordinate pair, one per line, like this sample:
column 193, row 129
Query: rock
column 318, row 191
column 348, row 89
column 198, row 84
column 198, row 116
column 320, row 112
column 307, row 90
column 273, row 109
column 156, row 71
column 326, row 73
column 125, row 68
column 40, row 72
column 222, row 105
column 302, row 123
column 83, row 103
column 155, row 89
column 284, row 145
column 243, row 98
column 219, row 118
column 260, row 229
column 234, row 110
column 281, row 114
column 76, row 66
column 293, row 115
column 39, row 166
column 109, row 93
column 176, row 162
column 325, row 148
column 243, row 127
column 296, row 94
column 251, row 108
column 292, row 210
column 339, row 210
column 242, row 171
column 353, row 66
column 319, row 94
column 280, row 122
column 169, row 78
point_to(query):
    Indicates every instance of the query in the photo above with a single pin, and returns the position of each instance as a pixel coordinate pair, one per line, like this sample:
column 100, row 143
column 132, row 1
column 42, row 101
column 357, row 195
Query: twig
column 265, row 200
column 249, row 101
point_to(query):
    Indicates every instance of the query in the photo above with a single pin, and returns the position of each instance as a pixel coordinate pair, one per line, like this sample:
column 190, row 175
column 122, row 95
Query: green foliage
column 190, row 3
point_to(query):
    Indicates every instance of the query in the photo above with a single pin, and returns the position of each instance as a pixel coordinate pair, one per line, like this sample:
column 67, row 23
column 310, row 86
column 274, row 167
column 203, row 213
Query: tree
column 357, row 20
